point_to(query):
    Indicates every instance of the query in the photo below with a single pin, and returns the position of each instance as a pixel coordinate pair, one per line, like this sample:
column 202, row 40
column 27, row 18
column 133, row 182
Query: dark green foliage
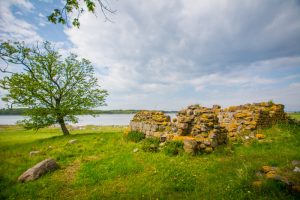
column 61, row 16
column 271, row 102
column 173, row 148
column 150, row 144
column 134, row 136
column 54, row 89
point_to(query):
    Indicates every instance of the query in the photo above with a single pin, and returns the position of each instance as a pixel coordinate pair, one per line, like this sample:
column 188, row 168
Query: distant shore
column 22, row 111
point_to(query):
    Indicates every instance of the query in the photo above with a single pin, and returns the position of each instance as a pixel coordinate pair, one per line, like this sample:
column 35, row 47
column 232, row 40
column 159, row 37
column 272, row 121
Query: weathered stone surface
column 38, row 170
column 208, row 150
column 267, row 169
column 249, row 117
column 297, row 169
column 296, row 162
column 190, row 145
column 260, row 136
column 282, row 175
column 214, row 126
column 151, row 123
column 201, row 123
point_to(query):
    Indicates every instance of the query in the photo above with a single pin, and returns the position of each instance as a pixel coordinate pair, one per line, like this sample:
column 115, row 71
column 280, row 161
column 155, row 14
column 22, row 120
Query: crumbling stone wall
column 199, row 128
column 202, row 129
column 250, row 117
column 152, row 124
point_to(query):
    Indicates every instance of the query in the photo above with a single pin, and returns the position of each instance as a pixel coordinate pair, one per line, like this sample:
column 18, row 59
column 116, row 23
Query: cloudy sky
column 169, row 54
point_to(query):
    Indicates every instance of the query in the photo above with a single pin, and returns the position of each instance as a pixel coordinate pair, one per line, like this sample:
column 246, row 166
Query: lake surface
column 100, row 120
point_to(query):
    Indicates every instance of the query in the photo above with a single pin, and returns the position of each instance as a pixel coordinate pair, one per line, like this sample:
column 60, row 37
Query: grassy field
column 102, row 165
column 295, row 115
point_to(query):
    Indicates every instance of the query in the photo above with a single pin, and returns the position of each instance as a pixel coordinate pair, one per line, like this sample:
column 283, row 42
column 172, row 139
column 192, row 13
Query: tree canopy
column 52, row 87
column 61, row 15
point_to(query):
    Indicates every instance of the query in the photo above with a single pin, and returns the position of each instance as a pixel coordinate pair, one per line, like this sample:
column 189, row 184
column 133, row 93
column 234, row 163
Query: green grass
column 295, row 116
column 102, row 165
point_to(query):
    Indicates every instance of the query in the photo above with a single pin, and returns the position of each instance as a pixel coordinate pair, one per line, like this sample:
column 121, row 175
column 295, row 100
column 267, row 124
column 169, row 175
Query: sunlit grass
column 101, row 164
column 295, row 115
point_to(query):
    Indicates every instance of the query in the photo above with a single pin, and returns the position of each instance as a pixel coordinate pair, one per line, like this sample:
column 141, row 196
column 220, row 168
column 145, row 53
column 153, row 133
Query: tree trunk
column 63, row 126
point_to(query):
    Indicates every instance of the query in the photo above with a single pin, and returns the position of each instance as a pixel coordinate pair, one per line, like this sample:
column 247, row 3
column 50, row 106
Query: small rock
column 135, row 150
column 38, row 170
column 72, row 141
column 202, row 146
column 247, row 137
column 271, row 175
column 260, row 136
column 189, row 145
column 295, row 162
column 274, row 176
column 33, row 153
column 297, row 169
column 208, row 150
column 267, row 169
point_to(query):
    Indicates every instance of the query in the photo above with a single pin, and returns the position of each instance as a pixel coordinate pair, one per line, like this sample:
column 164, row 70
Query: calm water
column 100, row 120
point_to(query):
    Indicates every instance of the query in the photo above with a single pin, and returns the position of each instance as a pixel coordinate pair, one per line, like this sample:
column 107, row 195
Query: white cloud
column 42, row 24
column 13, row 28
column 173, row 53
column 41, row 15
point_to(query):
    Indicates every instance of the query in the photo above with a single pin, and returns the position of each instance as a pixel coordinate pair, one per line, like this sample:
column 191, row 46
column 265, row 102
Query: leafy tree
column 71, row 6
column 53, row 88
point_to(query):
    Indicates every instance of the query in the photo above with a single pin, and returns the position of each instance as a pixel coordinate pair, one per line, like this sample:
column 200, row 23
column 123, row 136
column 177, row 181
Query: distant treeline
column 21, row 111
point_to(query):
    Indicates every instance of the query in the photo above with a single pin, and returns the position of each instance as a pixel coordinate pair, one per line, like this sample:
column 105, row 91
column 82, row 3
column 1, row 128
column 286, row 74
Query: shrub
column 150, row 144
column 271, row 102
column 134, row 136
column 173, row 148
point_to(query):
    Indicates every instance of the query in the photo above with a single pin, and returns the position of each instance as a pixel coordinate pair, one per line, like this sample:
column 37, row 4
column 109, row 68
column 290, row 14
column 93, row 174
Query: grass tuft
column 134, row 136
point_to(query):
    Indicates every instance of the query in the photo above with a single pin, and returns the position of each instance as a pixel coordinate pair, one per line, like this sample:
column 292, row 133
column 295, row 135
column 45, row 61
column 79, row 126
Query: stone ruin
column 203, row 129
column 152, row 124
column 199, row 129
column 250, row 117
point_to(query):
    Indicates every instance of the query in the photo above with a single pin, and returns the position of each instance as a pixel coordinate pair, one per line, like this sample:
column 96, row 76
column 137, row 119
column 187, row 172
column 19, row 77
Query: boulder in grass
column 189, row 145
column 38, row 170
column 296, row 162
